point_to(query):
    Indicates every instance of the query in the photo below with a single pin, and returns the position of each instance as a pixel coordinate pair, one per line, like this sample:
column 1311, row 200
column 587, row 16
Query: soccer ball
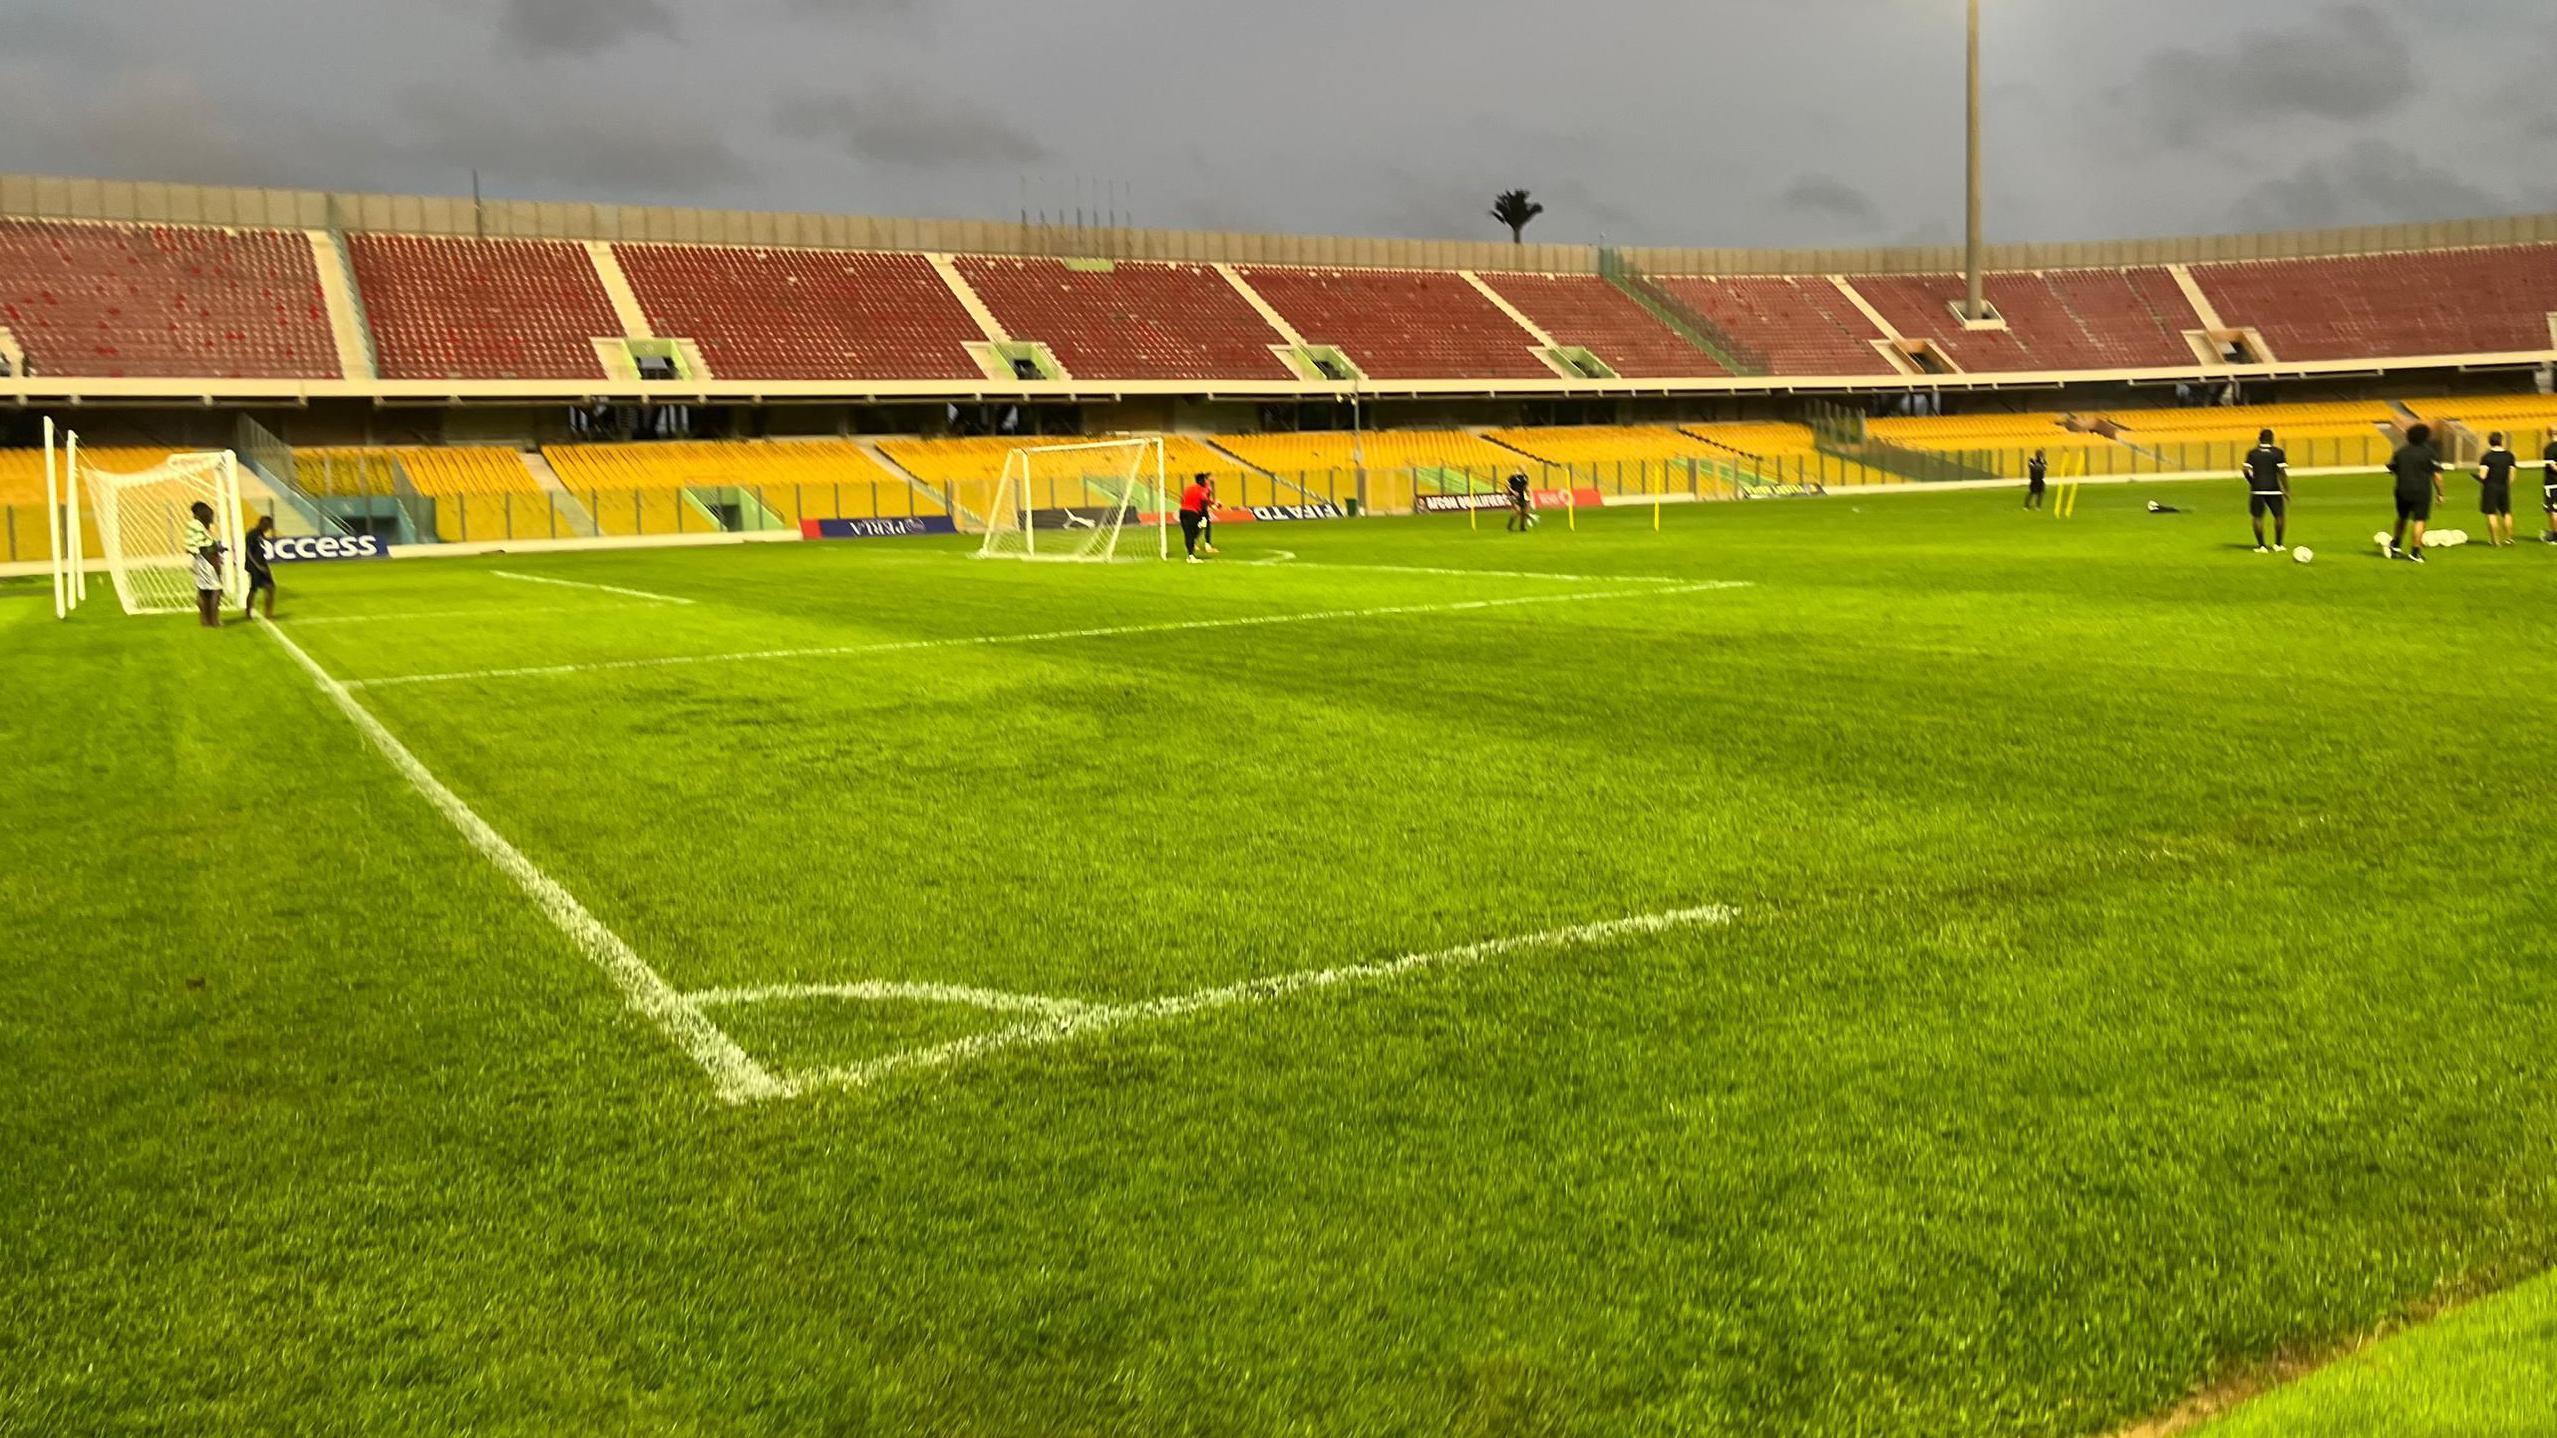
column 2303, row 554
column 2380, row 539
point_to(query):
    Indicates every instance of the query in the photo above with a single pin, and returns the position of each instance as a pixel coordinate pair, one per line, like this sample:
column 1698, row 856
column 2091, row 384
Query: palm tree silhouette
column 1514, row 209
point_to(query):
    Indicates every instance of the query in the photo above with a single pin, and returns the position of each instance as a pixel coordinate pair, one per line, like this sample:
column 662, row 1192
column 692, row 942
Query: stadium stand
column 1624, row 459
column 1800, row 324
column 479, row 493
column 1402, row 324
column 1376, row 449
column 117, row 301
column 452, row 308
column 1129, row 319
column 1587, row 311
column 805, row 314
column 769, row 482
column 1785, row 453
column 2062, row 320
column 972, row 466
column 2433, row 302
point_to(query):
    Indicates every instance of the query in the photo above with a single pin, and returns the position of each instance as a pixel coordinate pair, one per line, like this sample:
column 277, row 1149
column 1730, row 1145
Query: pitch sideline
column 903, row 646
column 735, row 1076
column 647, row 594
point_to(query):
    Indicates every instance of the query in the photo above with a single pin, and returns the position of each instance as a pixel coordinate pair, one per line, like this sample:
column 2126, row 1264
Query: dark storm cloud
column 1680, row 122
column 1833, row 200
column 581, row 27
column 2373, row 182
column 856, row 9
column 597, row 144
column 906, row 127
column 2343, row 63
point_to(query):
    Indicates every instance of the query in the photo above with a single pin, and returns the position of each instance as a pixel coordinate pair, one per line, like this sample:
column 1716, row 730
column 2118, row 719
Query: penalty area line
column 485, row 611
column 736, row 1077
column 584, row 584
column 878, row 991
column 1049, row 636
column 1100, row 1018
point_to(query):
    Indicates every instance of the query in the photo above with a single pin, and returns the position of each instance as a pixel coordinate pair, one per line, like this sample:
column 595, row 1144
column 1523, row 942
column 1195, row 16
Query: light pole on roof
column 1978, row 308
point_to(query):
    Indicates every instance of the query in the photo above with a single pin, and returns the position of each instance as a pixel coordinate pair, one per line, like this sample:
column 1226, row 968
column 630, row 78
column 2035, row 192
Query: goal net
column 142, row 528
column 1074, row 501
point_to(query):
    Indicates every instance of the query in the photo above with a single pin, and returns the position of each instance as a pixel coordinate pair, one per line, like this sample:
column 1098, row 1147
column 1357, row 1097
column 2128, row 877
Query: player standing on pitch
column 2548, row 489
column 1194, row 516
column 260, row 563
column 2268, row 491
column 2037, row 474
column 1522, row 512
column 2495, row 491
column 2418, row 471
column 206, row 553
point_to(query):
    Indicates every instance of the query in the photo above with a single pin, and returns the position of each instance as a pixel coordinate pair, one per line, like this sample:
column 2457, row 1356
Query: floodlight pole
column 1979, row 300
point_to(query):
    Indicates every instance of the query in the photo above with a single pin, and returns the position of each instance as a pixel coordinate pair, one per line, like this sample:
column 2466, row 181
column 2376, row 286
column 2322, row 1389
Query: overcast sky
column 1707, row 122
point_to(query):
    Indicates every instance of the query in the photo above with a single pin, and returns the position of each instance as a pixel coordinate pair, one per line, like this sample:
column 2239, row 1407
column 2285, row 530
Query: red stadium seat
column 444, row 307
column 1402, row 324
column 1132, row 320
column 2055, row 320
column 1589, row 312
column 1800, row 324
column 805, row 314
column 161, row 300
column 2433, row 302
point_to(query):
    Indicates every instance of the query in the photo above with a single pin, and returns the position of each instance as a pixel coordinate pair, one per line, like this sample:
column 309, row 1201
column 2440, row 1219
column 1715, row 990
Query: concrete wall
column 125, row 200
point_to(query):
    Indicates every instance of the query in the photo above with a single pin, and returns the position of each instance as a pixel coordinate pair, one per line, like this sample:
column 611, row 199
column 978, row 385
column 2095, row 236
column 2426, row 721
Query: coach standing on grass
column 2418, row 471
column 2037, row 476
column 2268, row 491
column 2495, row 491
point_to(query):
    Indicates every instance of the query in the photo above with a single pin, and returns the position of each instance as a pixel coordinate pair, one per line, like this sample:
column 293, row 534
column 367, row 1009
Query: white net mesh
column 1073, row 502
column 143, row 527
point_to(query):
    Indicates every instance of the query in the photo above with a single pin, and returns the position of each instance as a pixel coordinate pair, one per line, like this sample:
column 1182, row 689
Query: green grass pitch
column 2113, row 961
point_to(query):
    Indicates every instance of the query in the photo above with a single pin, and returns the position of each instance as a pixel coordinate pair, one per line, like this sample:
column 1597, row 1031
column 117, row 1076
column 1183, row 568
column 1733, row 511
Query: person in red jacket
column 1194, row 503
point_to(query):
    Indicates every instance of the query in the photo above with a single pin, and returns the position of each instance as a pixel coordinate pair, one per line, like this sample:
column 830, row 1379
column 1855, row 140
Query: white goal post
column 142, row 526
column 1071, row 502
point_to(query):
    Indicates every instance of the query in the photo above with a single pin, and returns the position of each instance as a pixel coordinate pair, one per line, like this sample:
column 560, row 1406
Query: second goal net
column 143, row 519
column 1075, row 501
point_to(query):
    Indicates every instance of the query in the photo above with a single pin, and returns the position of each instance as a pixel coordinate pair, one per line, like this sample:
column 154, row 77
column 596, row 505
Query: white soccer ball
column 2380, row 538
column 2303, row 554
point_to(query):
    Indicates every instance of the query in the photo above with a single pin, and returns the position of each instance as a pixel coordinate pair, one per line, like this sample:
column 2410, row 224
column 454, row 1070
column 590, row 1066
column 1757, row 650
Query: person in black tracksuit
column 1522, row 512
column 259, row 563
column 2495, row 491
column 2037, row 475
column 2268, row 491
column 2548, row 489
column 2417, row 469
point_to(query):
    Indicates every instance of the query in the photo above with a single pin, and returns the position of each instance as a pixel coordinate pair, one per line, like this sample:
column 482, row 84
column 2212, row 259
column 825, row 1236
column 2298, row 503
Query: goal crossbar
column 1073, row 502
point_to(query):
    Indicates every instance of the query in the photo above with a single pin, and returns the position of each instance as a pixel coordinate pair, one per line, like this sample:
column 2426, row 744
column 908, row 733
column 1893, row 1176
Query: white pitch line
column 890, row 991
column 583, row 584
column 483, row 612
column 1042, row 637
column 1100, row 1018
column 1495, row 573
column 736, row 1077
